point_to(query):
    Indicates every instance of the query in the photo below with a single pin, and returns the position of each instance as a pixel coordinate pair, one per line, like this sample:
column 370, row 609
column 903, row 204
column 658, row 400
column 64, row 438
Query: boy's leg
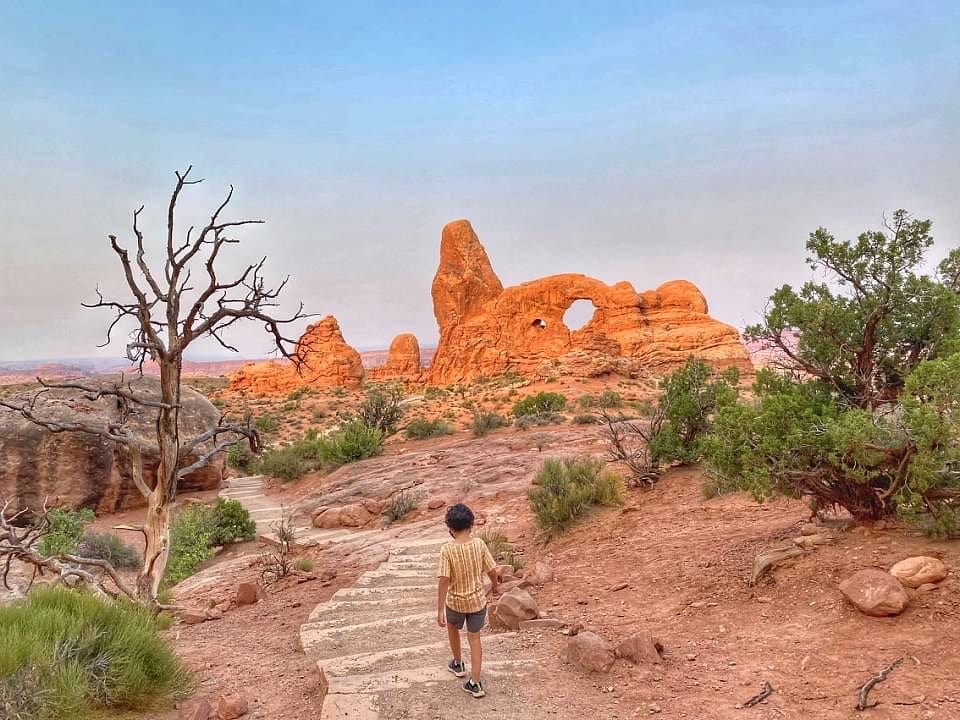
column 453, row 634
column 476, row 655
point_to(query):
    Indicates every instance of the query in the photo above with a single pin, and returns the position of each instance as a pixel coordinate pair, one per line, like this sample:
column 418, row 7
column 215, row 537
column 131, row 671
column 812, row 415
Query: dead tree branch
column 765, row 691
column 874, row 681
column 628, row 442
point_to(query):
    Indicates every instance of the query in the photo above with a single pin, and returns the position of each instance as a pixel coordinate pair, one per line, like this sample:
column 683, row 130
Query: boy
column 460, row 596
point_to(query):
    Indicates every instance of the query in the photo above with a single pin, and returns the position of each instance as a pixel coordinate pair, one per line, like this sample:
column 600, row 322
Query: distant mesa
column 327, row 362
column 486, row 329
column 403, row 361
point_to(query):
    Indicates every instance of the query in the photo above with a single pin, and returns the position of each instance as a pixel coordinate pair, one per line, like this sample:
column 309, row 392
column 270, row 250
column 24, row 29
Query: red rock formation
column 486, row 329
column 328, row 362
column 403, row 361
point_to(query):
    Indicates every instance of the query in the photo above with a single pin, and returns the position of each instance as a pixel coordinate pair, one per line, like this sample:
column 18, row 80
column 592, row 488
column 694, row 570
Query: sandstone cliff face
column 403, row 361
column 77, row 469
column 486, row 329
column 328, row 362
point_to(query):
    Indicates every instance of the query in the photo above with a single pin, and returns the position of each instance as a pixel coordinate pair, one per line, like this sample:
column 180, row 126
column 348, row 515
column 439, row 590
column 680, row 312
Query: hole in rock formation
column 540, row 323
column 579, row 314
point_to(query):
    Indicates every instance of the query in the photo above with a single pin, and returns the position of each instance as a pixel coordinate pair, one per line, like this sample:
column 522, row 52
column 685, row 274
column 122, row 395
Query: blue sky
column 634, row 141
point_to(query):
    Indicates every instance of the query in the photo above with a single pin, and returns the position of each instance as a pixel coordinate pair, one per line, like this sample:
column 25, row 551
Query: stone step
column 425, row 546
column 374, row 683
column 401, row 565
column 432, row 558
column 382, row 593
column 495, row 647
column 363, row 610
column 390, row 578
column 377, row 635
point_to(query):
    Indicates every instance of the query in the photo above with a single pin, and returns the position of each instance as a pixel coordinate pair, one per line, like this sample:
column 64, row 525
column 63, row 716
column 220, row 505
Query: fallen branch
column 875, row 680
column 766, row 691
column 768, row 559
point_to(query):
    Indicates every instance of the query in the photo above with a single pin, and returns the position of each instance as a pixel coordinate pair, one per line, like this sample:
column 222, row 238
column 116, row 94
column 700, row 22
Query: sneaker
column 457, row 668
column 474, row 688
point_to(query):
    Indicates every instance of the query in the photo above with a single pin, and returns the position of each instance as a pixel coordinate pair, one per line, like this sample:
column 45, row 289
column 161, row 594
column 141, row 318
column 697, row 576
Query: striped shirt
column 465, row 564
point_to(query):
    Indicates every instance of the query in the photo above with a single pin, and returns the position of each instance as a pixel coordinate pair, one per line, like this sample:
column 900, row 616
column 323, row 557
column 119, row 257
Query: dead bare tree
column 168, row 315
column 628, row 442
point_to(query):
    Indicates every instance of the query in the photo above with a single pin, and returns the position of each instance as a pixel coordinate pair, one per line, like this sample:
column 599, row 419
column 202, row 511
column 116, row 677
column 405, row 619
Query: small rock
column 537, row 574
column 193, row 617
column 809, row 529
column 653, row 708
column 436, row 503
column 327, row 575
column 248, row 593
column 213, row 614
column 698, row 604
column 231, row 707
column 514, row 606
column 875, row 592
column 505, row 573
column 590, row 653
column 541, row 624
column 195, row 710
column 619, row 586
column 920, row 570
column 640, row 648
column 927, row 587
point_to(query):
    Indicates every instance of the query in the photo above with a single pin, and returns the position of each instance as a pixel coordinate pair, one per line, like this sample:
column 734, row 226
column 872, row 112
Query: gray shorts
column 474, row 620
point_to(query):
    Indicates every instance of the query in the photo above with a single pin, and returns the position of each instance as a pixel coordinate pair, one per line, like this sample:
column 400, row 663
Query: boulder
column 875, row 592
column 82, row 470
column 486, row 329
column 231, row 707
column 537, row 574
column 505, row 573
column 193, row 616
column 513, row 606
column 920, row 570
column 436, row 503
column 403, row 361
column 328, row 361
column 640, row 648
column 590, row 653
column 248, row 593
column 353, row 515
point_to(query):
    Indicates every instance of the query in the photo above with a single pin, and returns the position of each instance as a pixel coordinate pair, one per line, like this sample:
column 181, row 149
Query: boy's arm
column 443, row 584
column 494, row 582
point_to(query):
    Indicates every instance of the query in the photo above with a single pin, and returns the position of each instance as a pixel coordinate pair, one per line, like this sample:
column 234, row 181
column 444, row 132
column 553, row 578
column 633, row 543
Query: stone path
column 377, row 643
column 382, row 654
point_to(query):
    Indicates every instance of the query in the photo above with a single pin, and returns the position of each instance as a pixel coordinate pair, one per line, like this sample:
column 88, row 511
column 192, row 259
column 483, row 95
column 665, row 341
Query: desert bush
column 586, row 402
column 107, row 546
column 356, row 440
column 278, row 562
column 381, row 408
column 401, row 504
column 230, row 522
column 240, row 457
column 542, row 402
column 585, row 419
column 65, row 531
column 304, row 564
column 65, row 653
column 289, row 406
column 496, row 541
column 421, row 428
column 295, row 395
column 688, row 398
column 485, row 422
column 266, row 423
column 285, row 463
column 610, row 399
column 190, row 543
column 565, row 489
column 543, row 418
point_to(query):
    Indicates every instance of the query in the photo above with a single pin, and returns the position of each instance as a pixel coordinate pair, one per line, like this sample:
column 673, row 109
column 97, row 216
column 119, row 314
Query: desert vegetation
column 197, row 529
column 564, row 490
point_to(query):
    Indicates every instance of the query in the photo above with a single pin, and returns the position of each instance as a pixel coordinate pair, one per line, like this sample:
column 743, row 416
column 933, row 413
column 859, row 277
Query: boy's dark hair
column 459, row 517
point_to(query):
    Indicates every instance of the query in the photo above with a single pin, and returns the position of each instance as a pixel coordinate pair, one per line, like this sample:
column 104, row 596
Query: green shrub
column 283, row 463
column 610, row 399
column 354, row 441
column 421, row 428
column 303, row 564
column 230, row 521
column 289, row 406
column 565, row 489
column 381, row 408
column 107, row 546
column 485, row 422
column 239, row 457
column 544, row 418
column 433, row 393
column 585, row 419
column 69, row 654
column 190, row 542
column 295, row 395
column 586, row 402
column 266, row 423
column 542, row 402
column 401, row 505
column 65, row 532
column 496, row 541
